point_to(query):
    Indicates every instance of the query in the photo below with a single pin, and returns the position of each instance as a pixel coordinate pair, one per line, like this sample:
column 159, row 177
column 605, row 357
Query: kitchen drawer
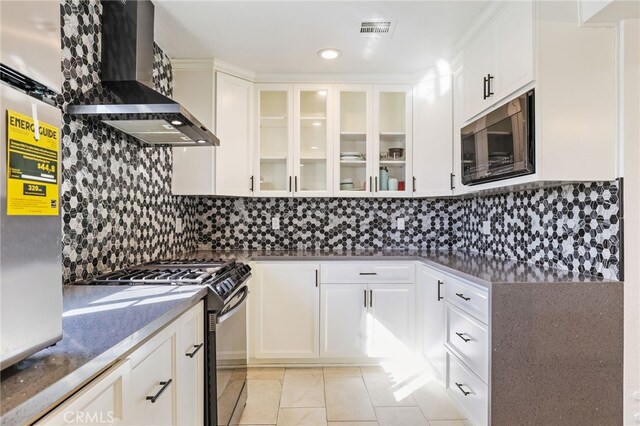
column 467, row 390
column 367, row 272
column 100, row 402
column 153, row 394
column 468, row 338
column 467, row 297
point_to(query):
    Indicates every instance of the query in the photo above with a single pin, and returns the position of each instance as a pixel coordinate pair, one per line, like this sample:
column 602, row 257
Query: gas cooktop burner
column 222, row 277
column 154, row 276
column 190, row 263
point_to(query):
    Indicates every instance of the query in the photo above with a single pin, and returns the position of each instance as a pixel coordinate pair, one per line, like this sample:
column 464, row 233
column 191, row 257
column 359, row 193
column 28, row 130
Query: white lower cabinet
column 391, row 320
column 468, row 391
column 284, row 311
column 467, row 340
column 100, row 402
column 152, row 386
column 296, row 315
column 190, row 364
column 343, row 314
column 367, row 320
column 153, row 395
column 431, row 316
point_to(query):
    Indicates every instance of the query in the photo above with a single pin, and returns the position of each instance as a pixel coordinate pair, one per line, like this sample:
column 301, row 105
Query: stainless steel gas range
column 226, row 324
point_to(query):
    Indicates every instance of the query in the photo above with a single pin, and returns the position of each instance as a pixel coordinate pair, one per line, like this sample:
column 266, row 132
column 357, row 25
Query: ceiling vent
column 377, row 28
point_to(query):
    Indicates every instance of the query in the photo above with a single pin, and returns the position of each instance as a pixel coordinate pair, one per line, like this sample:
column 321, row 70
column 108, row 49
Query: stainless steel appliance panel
column 30, row 41
column 501, row 144
column 30, row 258
column 231, row 358
column 30, row 252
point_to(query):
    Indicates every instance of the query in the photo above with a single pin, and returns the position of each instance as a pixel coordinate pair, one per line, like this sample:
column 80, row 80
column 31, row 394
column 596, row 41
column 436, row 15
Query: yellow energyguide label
column 32, row 167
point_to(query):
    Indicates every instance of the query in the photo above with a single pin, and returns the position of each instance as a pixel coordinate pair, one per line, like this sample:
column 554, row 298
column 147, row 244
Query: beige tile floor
column 348, row 396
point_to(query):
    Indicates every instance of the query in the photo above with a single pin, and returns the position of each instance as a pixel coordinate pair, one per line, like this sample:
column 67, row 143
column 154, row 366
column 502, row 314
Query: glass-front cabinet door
column 392, row 141
column 313, row 141
column 354, row 142
column 274, row 154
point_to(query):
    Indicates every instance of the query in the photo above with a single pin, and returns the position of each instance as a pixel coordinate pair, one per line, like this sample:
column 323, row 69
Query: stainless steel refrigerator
column 30, row 221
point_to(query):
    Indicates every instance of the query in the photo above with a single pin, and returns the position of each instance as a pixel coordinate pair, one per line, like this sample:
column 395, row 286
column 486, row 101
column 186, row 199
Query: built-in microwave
column 501, row 144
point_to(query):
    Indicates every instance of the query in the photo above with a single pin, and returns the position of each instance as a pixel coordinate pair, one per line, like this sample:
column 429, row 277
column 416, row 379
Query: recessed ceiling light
column 329, row 53
column 316, row 123
column 322, row 93
column 314, row 147
column 201, row 141
column 176, row 122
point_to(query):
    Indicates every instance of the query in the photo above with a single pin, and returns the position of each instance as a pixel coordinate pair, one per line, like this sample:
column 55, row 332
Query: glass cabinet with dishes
column 392, row 145
column 354, row 141
column 373, row 140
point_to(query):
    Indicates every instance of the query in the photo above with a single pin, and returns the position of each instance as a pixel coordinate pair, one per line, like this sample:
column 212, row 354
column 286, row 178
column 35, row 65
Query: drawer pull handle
column 464, row 392
column 439, row 290
column 368, row 273
column 155, row 397
column 460, row 335
column 195, row 350
column 461, row 296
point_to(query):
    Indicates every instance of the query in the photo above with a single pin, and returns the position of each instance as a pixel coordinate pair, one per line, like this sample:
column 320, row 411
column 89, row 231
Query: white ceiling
column 284, row 36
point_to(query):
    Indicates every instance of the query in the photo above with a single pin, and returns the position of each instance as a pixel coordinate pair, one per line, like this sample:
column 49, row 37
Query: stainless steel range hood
column 126, row 98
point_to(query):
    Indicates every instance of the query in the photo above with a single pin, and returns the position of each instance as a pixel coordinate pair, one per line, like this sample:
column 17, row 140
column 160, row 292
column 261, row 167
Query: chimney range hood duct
column 126, row 98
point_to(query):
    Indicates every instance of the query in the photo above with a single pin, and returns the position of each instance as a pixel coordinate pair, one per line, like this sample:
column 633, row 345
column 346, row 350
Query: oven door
column 231, row 358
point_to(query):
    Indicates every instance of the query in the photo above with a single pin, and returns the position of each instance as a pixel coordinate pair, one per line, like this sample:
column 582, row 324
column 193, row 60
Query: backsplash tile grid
column 117, row 205
column 574, row 227
column 316, row 223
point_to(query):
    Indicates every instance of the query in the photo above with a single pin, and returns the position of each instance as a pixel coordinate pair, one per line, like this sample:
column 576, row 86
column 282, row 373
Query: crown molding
column 192, row 64
column 479, row 24
column 235, row 70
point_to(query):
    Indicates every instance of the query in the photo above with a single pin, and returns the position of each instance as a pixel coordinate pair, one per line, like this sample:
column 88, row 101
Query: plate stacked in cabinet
column 466, row 342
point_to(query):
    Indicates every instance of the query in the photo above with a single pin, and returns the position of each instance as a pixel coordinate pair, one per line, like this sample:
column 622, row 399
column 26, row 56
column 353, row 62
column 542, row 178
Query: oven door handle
column 230, row 312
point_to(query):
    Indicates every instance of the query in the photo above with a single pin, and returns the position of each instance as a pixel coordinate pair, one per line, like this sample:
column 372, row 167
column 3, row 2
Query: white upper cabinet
column 512, row 48
column 234, row 119
column 353, row 138
column 571, row 69
column 392, row 141
column 193, row 167
column 225, row 169
column 477, row 67
column 313, row 141
column 500, row 59
column 432, row 137
column 274, row 141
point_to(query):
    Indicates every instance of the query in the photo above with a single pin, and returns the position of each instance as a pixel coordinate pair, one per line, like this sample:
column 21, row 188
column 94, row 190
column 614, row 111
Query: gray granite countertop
column 101, row 324
column 478, row 268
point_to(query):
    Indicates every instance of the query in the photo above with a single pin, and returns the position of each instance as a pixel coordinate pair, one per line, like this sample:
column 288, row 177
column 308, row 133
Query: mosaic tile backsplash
column 316, row 223
column 117, row 207
column 574, row 227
